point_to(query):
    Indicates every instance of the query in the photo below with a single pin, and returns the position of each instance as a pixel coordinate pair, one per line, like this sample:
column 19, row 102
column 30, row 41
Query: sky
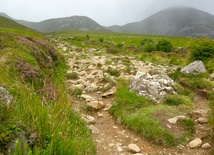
column 104, row 12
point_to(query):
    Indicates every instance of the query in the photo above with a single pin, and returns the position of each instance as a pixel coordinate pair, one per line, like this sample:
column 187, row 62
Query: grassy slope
column 32, row 71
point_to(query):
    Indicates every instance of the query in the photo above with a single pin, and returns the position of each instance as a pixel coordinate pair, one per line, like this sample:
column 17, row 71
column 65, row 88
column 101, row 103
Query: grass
column 34, row 74
column 140, row 114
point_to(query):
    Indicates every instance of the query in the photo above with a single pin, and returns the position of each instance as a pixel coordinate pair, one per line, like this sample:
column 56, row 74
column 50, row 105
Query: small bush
column 72, row 76
column 164, row 45
column 101, row 40
column 148, row 45
column 202, row 49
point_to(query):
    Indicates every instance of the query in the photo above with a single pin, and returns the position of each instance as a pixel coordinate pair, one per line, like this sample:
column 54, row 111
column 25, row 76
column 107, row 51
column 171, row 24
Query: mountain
column 178, row 21
column 59, row 24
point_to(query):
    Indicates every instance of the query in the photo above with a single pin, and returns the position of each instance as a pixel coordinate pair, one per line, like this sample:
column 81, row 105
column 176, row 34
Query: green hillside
column 7, row 23
column 36, row 116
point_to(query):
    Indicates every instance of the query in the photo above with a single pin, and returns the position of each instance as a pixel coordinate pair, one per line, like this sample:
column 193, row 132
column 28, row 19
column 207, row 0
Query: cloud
column 105, row 12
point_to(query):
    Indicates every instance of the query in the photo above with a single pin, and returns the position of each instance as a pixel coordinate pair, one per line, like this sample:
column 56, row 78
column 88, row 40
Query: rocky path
column 110, row 137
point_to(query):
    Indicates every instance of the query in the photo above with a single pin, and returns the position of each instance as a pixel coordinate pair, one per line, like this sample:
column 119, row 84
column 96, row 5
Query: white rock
column 202, row 120
column 194, row 67
column 119, row 149
column 206, row 146
column 195, row 143
column 86, row 97
column 96, row 104
column 134, row 148
column 88, row 119
column 93, row 129
column 175, row 119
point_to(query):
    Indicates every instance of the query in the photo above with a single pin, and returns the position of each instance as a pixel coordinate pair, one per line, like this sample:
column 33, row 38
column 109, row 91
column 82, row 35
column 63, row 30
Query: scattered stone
column 206, row 146
column 202, row 120
column 109, row 93
column 100, row 115
column 194, row 68
column 175, row 119
column 138, row 154
column 5, row 96
column 111, row 144
column 93, row 129
column 119, row 149
column 155, row 86
column 133, row 148
column 97, row 105
column 195, row 143
column 88, row 119
column 87, row 97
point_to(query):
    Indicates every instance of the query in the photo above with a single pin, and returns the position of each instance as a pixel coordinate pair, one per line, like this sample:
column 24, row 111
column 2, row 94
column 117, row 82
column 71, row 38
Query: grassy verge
column 39, row 119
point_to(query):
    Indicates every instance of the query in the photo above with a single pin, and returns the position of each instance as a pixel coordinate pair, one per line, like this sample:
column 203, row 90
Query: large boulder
column 155, row 86
column 194, row 68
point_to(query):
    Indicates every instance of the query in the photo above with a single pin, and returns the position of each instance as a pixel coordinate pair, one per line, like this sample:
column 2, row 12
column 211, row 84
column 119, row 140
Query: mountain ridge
column 176, row 21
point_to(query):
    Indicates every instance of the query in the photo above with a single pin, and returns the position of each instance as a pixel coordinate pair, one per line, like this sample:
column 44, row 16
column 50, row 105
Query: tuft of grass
column 113, row 72
column 175, row 100
column 72, row 76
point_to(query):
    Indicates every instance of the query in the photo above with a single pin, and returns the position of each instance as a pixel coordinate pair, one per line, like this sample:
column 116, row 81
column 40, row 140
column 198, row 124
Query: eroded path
column 94, row 78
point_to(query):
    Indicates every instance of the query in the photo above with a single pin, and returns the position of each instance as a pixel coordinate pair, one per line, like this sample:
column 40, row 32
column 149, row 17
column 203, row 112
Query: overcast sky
column 105, row 12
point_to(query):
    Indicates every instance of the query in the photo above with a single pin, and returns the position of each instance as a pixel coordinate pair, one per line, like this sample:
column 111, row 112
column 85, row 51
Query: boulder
column 194, row 68
column 155, row 86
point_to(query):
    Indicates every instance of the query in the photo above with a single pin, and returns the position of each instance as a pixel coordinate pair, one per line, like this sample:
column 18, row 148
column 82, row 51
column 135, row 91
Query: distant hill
column 179, row 21
column 8, row 23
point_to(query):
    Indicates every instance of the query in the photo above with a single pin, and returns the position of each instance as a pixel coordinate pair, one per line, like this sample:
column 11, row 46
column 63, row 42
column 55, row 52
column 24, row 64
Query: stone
column 202, row 120
column 87, row 97
column 175, row 119
column 109, row 93
column 155, row 86
column 93, row 129
column 97, row 105
column 88, row 119
column 194, row 68
column 138, row 154
column 206, row 146
column 133, row 148
column 119, row 149
column 195, row 143
column 5, row 96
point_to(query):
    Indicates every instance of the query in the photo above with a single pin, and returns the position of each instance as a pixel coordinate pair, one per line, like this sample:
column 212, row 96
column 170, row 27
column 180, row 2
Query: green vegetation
column 139, row 114
column 39, row 119
column 164, row 45
column 72, row 76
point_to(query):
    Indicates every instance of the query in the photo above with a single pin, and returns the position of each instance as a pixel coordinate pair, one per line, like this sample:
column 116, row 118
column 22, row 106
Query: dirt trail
column 112, row 137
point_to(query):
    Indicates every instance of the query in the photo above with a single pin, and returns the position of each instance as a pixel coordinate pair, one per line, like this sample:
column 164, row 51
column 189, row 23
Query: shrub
column 101, row 40
column 164, row 45
column 148, row 45
column 202, row 49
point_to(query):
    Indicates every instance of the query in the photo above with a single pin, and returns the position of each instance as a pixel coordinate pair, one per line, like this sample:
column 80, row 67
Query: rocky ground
column 95, row 69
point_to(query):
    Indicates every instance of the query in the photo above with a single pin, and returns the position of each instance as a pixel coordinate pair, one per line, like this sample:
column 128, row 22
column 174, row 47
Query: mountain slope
column 8, row 23
column 68, row 23
column 179, row 21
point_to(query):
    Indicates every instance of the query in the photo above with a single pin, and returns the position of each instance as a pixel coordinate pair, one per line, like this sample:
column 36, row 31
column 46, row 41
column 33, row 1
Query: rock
column 194, row 68
column 202, row 120
column 133, row 148
column 195, row 143
column 87, row 97
column 95, row 104
column 138, row 154
column 175, row 119
column 119, row 149
column 155, row 86
column 88, row 119
column 91, row 88
column 93, row 129
column 109, row 93
column 5, row 96
column 206, row 146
